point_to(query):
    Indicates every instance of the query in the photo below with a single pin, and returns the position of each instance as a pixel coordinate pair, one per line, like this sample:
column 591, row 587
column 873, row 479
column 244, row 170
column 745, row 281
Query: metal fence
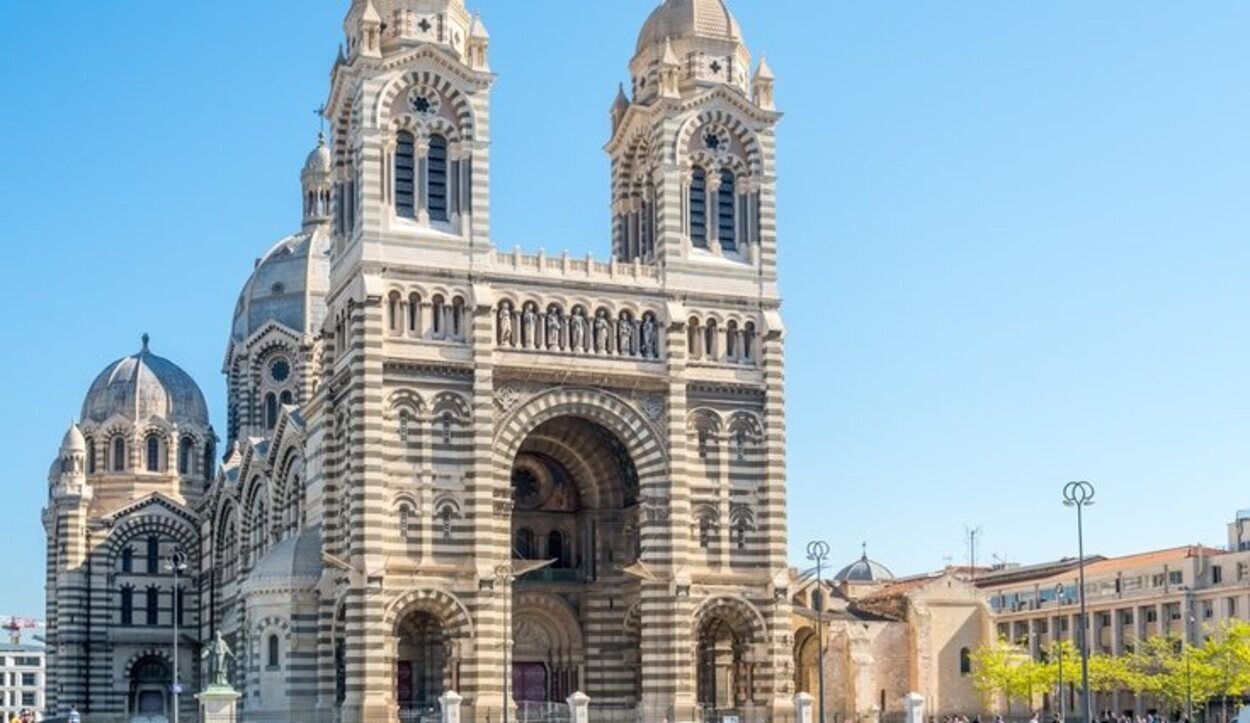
column 544, row 713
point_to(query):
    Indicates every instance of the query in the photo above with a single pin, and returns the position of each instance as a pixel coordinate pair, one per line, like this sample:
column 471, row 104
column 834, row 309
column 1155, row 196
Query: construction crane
column 16, row 625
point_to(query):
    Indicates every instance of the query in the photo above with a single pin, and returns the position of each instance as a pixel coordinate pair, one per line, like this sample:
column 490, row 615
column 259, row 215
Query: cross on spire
column 321, row 114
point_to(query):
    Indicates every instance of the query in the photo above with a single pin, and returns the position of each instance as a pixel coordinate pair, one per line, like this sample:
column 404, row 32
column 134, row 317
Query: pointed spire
column 764, row 70
column 479, row 28
column 762, row 86
column 371, row 14
column 621, row 104
column 670, row 57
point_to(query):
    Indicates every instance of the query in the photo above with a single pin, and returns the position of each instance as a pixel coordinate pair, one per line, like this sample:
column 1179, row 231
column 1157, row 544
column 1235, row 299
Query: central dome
column 143, row 386
column 677, row 19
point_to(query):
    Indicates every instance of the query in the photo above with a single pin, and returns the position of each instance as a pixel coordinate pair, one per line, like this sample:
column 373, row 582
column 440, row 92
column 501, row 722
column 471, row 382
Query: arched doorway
column 724, row 638
column 576, row 497
column 150, row 679
column 806, row 662
column 422, row 664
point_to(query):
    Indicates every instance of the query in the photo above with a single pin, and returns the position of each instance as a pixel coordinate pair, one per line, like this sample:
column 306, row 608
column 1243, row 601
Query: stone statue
column 625, row 336
column 601, row 333
column 216, row 652
column 649, row 348
column 529, row 320
column 555, row 324
column 577, row 332
column 506, row 335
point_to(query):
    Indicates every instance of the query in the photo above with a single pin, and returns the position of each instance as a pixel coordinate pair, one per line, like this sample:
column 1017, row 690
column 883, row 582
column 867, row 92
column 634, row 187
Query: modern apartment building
column 21, row 680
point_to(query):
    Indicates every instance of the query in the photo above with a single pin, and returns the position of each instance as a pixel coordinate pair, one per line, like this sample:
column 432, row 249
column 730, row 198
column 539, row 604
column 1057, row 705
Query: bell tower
column 692, row 147
column 409, row 114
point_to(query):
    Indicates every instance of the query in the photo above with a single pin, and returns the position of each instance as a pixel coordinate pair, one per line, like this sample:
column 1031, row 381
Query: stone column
column 803, row 708
column 450, row 704
column 579, row 708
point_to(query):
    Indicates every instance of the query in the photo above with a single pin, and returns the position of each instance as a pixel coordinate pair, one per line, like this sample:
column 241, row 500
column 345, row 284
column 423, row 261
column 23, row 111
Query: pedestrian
column 73, row 715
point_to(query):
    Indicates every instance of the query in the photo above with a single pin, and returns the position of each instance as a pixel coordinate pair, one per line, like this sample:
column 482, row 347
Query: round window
column 280, row 370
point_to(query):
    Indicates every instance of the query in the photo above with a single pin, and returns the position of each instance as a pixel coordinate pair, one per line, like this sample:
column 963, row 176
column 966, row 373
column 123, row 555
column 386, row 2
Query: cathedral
column 446, row 467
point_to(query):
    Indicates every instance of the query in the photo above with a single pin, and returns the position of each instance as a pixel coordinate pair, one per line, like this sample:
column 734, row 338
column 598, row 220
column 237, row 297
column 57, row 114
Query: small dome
column 292, row 563
column 287, row 286
column 143, row 386
column 709, row 19
column 73, row 440
column 318, row 162
column 864, row 570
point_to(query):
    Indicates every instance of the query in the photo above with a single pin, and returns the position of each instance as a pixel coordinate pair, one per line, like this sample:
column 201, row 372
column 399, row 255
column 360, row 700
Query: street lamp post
column 1080, row 495
column 177, row 563
column 818, row 552
column 1059, row 591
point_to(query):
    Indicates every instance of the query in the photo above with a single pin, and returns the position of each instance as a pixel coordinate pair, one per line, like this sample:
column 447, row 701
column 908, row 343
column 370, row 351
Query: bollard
column 450, row 703
column 579, row 707
column 803, row 708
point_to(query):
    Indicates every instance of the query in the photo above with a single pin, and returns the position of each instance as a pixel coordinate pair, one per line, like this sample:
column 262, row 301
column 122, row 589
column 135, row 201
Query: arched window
column 119, row 454
column 731, row 341
column 210, row 452
column 154, row 454
column 965, row 661
column 128, row 605
column 710, row 346
column 154, row 555
column 445, row 515
column 392, row 312
column 414, row 313
column 698, row 207
column 725, row 218
column 405, row 521
column 457, row 318
column 405, row 175
column 692, row 337
column 153, row 606
column 436, row 174
column 271, row 410
column 90, row 455
column 185, row 446
column 438, row 316
column 285, row 398
column 128, row 559
column 524, row 544
column 272, row 656
column 705, row 531
column 555, row 549
column 748, row 342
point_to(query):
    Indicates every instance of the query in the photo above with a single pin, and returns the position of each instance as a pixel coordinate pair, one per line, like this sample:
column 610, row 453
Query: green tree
column 1224, row 662
column 1003, row 668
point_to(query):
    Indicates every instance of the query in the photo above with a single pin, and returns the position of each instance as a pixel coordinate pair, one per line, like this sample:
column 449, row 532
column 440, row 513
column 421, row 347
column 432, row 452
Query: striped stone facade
column 510, row 475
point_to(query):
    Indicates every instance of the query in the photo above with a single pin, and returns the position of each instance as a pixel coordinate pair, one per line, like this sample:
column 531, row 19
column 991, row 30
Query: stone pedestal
column 450, row 703
column 579, row 707
column 219, row 704
column 913, row 706
column 803, row 708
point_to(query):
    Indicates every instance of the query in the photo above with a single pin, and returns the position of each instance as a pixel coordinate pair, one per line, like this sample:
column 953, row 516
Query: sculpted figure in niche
column 529, row 324
column 649, row 347
column 625, row 336
column 506, row 336
column 577, row 331
column 601, row 332
column 555, row 324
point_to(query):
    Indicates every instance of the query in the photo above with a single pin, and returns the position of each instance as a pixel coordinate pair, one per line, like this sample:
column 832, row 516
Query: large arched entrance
column 150, row 679
column 576, row 493
column 422, row 670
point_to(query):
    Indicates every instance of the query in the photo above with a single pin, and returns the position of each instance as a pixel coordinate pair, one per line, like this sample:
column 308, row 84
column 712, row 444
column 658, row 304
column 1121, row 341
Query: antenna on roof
column 973, row 533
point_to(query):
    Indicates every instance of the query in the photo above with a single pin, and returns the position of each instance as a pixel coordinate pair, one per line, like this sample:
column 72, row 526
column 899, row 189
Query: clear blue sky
column 1014, row 239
